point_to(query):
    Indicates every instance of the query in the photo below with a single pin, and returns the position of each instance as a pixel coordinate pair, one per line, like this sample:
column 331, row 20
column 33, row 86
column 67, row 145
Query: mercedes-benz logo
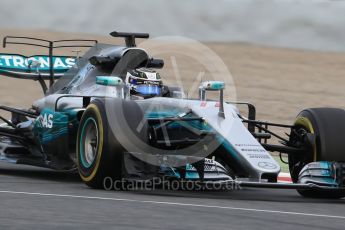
column 267, row 165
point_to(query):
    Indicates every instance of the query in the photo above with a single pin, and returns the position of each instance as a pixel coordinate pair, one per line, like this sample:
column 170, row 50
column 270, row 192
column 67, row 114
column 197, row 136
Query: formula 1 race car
column 108, row 114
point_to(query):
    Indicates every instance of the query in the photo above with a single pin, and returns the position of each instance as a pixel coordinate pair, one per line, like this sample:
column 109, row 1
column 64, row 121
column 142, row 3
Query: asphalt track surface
column 33, row 198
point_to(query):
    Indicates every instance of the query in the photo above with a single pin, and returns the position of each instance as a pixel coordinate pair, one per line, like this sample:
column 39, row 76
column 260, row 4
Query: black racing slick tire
column 327, row 126
column 99, row 153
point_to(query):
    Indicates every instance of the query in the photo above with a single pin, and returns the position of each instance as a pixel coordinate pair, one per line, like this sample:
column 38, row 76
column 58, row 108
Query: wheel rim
column 296, row 163
column 89, row 142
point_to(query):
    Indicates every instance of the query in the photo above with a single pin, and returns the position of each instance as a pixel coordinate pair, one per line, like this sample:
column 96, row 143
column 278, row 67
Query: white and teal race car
column 108, row 115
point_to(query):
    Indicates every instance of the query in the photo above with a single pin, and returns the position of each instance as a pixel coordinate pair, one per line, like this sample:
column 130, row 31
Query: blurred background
column 309, row 24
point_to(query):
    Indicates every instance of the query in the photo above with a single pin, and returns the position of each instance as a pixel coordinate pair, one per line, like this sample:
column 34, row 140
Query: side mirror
column 213, row 86
column 109, row 81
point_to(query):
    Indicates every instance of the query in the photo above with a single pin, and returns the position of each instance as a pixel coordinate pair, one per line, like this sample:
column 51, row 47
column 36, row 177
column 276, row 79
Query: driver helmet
column 144, row 82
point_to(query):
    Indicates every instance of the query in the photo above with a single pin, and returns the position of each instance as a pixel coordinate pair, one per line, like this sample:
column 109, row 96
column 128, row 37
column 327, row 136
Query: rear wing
column 39, row 67
column 34, row 67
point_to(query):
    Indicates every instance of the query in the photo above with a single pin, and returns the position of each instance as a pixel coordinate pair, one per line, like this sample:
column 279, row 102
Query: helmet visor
column 149, row 89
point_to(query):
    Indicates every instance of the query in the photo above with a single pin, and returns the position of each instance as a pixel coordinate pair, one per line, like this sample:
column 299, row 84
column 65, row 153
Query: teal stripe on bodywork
column 59, row 126
column 195, row 124
column 202, row 126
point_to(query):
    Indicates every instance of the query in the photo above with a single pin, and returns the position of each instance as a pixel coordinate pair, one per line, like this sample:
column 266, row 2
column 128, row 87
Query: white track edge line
column 175, row 204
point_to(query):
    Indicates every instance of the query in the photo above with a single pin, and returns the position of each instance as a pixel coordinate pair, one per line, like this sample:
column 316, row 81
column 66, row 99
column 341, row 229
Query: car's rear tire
column 327, row 125
column 99, row 153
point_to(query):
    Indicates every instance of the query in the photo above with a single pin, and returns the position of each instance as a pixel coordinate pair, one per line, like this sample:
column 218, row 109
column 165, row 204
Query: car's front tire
column 99, row 156
column 326, row 126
